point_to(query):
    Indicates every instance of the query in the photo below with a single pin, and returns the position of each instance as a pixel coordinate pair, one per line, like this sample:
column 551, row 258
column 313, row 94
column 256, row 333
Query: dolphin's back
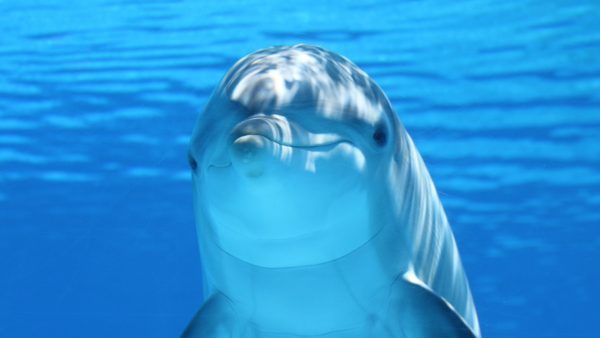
column 434, row 259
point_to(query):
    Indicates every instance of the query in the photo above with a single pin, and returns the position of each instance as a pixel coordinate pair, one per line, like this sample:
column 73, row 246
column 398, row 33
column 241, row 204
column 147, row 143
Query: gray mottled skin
column 316, row 216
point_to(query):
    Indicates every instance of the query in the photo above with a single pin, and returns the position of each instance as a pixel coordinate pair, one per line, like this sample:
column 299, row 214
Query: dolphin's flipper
column 215, row 319
column 417, row 312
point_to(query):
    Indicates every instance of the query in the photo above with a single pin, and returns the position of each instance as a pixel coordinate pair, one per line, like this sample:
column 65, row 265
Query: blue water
column 98, row 100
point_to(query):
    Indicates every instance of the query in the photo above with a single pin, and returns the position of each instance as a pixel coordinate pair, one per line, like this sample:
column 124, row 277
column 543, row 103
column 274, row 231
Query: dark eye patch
column 192, row 162
column 380, row 136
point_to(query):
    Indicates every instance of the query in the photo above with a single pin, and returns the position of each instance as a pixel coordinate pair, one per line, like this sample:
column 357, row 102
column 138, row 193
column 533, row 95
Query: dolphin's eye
column 192, row 162
column 380, row 136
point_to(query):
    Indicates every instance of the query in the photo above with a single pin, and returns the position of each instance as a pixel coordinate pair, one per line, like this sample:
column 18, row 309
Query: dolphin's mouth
column 219, row 166
column 315, row 146
column 255, row 137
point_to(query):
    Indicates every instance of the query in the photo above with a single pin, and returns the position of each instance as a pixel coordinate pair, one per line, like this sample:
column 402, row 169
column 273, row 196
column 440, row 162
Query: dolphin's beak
column 253, row 140
column 279, row 129
column 249, row 153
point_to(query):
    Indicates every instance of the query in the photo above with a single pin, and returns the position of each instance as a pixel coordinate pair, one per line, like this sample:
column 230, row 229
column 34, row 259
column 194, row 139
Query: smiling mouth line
column 219, row 166
column 301, row 146
column 316, row 146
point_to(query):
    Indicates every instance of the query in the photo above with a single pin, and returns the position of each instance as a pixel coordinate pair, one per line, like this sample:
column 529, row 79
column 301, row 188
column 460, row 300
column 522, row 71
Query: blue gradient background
column 98, row 100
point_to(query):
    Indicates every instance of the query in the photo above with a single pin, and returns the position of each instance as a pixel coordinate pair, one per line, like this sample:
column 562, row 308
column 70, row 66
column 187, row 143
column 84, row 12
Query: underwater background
column 98, row 99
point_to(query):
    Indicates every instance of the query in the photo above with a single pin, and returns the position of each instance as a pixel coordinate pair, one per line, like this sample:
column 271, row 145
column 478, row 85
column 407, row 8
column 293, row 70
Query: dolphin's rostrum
column 315, row 213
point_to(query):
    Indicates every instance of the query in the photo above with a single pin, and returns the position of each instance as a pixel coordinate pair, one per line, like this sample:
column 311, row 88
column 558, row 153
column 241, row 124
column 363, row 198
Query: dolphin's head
column 287, row 155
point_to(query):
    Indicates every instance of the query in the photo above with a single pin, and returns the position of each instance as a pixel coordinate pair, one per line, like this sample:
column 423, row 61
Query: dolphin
column 316, row 216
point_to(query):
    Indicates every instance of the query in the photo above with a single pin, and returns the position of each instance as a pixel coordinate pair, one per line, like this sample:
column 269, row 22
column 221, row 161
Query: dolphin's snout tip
column 248, row 154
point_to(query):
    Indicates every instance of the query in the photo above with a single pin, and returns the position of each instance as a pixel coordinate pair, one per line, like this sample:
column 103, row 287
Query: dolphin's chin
column 274, row 233
column 309, row 249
